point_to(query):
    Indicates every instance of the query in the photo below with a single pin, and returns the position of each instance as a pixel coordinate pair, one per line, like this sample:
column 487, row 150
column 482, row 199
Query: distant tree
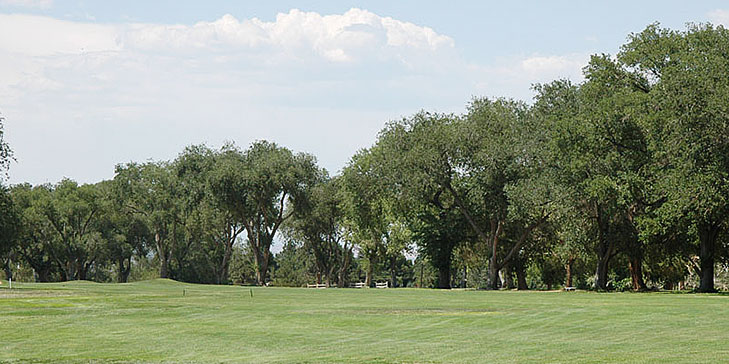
column 37, row 237
column 319, row 225
column 295, row 266
column 214, row 228
column 6, row 154
column 9, row 228
column 125, row 234
column 255, row 187
column 149, row 191
column 73, row 211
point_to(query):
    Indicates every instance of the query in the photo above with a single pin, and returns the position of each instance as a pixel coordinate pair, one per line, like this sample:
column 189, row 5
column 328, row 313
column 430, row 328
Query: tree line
column 620, row 181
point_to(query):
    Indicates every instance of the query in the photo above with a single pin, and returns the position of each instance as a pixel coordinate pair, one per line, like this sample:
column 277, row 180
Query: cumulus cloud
column 338, row 38
column 81, row 97
column 719, row 16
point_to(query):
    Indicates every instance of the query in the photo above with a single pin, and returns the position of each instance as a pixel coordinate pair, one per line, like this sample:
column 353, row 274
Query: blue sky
column 89, row 84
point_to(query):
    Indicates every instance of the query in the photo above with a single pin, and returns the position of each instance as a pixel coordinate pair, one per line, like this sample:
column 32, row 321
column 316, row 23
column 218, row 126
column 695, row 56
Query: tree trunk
column 43, row 275
column 225, row 265
column 494, row 281
column 604, row 254
column 371, row 261
column 636, row 274
column 342, row 275
column 601, row 274
column 568, row 269
column 420, row 283
column 393, row 271
column 124, row 266
column 162, row 255
column 604, row 251
column 83, row 270
column 8, row 270
column 444, row 276
column 262, row 273
column 521, row 283
column 508, row 278
column 707, row 241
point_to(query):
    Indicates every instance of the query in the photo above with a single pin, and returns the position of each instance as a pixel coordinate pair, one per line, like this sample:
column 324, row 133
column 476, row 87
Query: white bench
column 382, row 285
column 570, row 289
column 358, row 285
column 316, row 286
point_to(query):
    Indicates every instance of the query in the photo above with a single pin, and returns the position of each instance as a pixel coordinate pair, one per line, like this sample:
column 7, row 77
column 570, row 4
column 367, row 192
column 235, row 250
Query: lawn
column 167, row 321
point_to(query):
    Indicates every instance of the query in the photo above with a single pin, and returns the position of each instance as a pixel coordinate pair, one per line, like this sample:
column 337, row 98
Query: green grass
column 152, row 321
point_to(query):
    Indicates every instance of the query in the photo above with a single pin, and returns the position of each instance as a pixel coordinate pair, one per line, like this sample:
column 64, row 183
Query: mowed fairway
column 153, row 322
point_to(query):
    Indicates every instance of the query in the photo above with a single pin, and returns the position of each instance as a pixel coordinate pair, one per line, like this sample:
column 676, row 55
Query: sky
column 86, row 85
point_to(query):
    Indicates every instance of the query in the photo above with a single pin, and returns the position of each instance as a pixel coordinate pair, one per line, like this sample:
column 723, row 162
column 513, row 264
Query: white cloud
column 340, row 38
column 40, row 4
column 551, row 67
column 43, row 36
column 81, row 97
column 719, row 16
column 513, row 77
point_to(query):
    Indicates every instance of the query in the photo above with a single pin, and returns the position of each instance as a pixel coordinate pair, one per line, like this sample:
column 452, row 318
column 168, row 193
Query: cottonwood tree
column 413, row 161
column 256, row 185
column 36, row 236
column 125, row 235
column 213, row 228
column 9, row 229
column 73, row 211
column 318, row 224
column 149, row 191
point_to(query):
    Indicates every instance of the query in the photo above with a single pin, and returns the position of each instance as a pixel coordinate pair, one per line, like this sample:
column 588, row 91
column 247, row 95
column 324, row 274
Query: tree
column 687, row 84
column 216, row 229
column 6, row 154
column 149, row 192
column 598, row 149
column 413, row 163
column 255, row 187
column 36, row 235
column 124, row 234
column 318, row 224
column 72, row 211
column 9, row 228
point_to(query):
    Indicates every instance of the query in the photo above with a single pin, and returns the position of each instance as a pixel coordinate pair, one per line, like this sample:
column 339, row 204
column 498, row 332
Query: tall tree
column 9, row 228
column 215, row 228
column 598, row 150
column 255, row 187
column 149, row 191
column 688, row 123
column 72, row 211
column 125, row 235
column 319, row 225
column 37, row 237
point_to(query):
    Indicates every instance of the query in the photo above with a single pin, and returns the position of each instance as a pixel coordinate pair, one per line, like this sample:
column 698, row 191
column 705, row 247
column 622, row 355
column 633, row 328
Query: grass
column 152, row 321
